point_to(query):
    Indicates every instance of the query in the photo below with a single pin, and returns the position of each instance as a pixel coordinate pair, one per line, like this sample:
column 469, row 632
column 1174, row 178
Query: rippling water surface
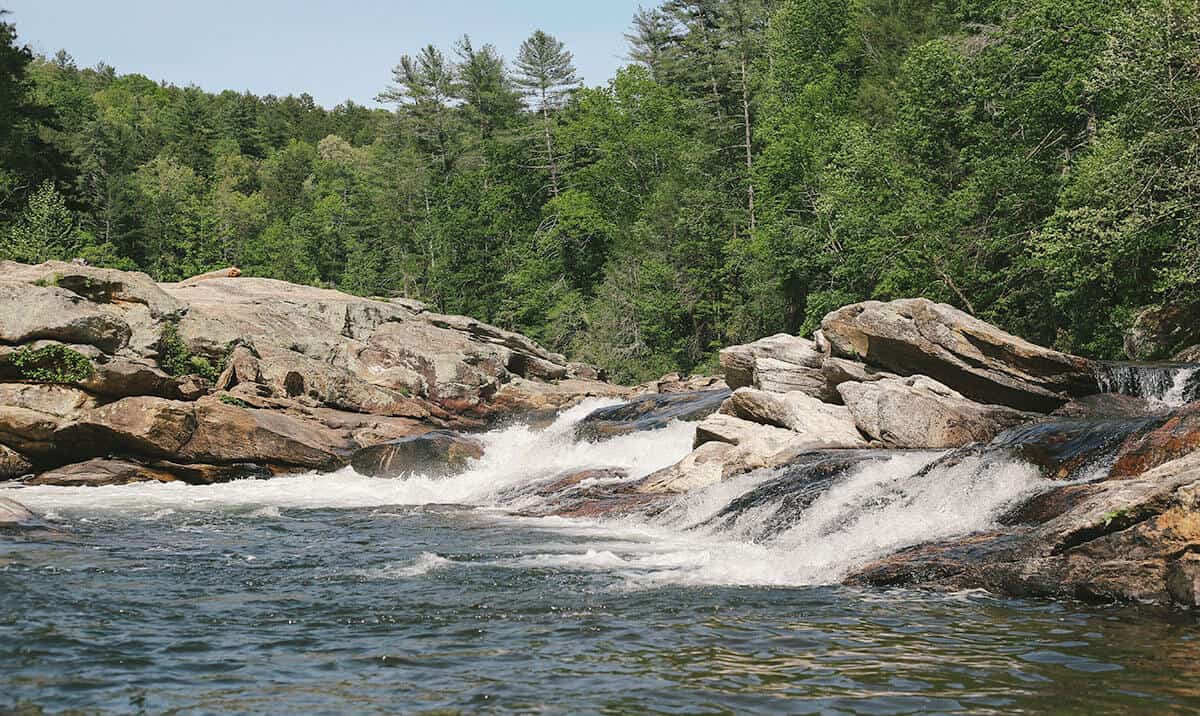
column 340, row 594
column 453, row 610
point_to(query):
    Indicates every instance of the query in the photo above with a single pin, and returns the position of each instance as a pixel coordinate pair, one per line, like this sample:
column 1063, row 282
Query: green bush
column 51, row 364
column 234, row 401
column 178, row 360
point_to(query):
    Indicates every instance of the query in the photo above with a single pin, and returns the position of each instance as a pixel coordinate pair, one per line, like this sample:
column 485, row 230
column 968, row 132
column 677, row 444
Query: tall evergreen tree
column 545, row 69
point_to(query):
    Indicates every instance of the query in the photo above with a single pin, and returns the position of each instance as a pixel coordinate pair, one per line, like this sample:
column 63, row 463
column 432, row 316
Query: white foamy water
column 878, row 506
column 512, row 456
column 1163, row 386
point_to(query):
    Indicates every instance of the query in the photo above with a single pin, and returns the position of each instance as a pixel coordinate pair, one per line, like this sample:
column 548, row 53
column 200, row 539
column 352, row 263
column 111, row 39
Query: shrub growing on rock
column 51, row 364
column 178, row 360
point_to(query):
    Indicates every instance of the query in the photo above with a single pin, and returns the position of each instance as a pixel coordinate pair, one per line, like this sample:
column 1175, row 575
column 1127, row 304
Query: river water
column 343, row 594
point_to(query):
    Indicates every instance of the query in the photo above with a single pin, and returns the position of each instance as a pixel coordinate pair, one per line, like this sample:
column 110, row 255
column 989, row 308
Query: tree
column 545, row 70
column 654, row 43
column 167, row 192
column 26, row 159
column 424, row 87
column 485, row 87
column 45, row 230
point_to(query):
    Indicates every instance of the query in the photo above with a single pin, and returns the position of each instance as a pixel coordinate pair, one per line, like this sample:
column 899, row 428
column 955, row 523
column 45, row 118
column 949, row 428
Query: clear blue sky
column 332, row 49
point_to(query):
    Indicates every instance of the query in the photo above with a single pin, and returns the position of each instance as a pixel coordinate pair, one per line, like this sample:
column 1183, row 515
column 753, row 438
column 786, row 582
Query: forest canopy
column 756, row 164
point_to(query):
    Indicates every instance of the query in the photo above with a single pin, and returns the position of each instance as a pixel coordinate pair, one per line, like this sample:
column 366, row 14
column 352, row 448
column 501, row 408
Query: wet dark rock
column 1105, row 405
column 435, row 454
column 650, row 412
column 796, row 486
column 573, row 480
column 101, row 472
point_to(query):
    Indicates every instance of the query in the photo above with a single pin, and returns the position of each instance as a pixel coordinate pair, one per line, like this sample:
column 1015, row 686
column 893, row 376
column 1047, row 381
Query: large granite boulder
column 1161, row 332
column 918, row 412
column 30, row 312
column 985, row 364
column 778, row 364
column 372, row 355
column 132, row 297
column 809, row 418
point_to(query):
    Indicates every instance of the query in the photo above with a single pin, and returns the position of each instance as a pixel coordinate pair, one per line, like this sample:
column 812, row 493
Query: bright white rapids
column 878, row 507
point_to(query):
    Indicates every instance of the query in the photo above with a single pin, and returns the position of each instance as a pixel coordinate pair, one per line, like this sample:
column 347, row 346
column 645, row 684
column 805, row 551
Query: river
column 333, row 594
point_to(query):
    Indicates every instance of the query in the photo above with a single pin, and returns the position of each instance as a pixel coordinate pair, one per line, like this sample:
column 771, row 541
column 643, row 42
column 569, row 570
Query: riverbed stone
column 435, row 454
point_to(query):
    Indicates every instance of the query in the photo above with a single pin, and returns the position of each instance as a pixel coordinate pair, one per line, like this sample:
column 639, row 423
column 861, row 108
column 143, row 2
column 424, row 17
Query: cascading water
column 332, row 594
column 809, row 523
column 1163, row 386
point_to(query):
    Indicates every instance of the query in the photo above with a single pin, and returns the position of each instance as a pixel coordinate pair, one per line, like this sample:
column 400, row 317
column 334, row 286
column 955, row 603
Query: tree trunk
column 749, row 144
column 553, row 165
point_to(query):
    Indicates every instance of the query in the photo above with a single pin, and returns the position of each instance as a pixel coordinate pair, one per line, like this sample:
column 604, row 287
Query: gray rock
column 919, row 412
column 29, row 313
column 780, row 364
column 15, row 516
column 650, row 412
column 919, row 337
column 809, row 418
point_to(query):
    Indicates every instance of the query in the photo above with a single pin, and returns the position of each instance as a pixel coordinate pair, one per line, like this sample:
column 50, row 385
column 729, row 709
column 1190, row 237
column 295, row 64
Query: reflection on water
column 380, row 610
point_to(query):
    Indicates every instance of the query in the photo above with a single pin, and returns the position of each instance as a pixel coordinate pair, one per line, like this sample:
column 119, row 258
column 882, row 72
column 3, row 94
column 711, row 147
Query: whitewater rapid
column 882, row 503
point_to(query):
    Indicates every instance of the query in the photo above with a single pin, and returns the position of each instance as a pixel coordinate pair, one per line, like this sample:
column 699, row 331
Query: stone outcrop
column 363, row 354
column 985, row 364
column 1164, row 332
column 282, row 376
column 919, row 412
column 778, row 364
column 806, row 417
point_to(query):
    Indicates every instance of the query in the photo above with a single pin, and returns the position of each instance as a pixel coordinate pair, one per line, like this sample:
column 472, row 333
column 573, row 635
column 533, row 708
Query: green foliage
column 178, row 360
column 44, row 231
column 51, row 364
column 759, row 163
column 234, row 401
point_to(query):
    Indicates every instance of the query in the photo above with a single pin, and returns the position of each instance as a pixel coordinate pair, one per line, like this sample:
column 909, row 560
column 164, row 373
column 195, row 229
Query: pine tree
column 654, row 43
column 545, row 70
column 485, row 87
column 45, row 230
column 425, row 87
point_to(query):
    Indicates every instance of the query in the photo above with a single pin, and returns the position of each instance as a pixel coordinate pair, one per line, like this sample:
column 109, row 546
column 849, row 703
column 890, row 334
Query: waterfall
column 1163, row 386
column 810, row 522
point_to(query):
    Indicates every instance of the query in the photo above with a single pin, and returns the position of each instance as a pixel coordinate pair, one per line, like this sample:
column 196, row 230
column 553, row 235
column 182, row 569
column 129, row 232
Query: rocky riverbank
column 108, row 378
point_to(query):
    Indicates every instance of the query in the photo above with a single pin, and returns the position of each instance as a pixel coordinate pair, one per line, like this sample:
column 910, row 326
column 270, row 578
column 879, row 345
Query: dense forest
column 756, row 164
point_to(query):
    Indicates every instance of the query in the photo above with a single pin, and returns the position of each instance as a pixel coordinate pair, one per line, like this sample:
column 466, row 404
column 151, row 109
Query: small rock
column 436, row 454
